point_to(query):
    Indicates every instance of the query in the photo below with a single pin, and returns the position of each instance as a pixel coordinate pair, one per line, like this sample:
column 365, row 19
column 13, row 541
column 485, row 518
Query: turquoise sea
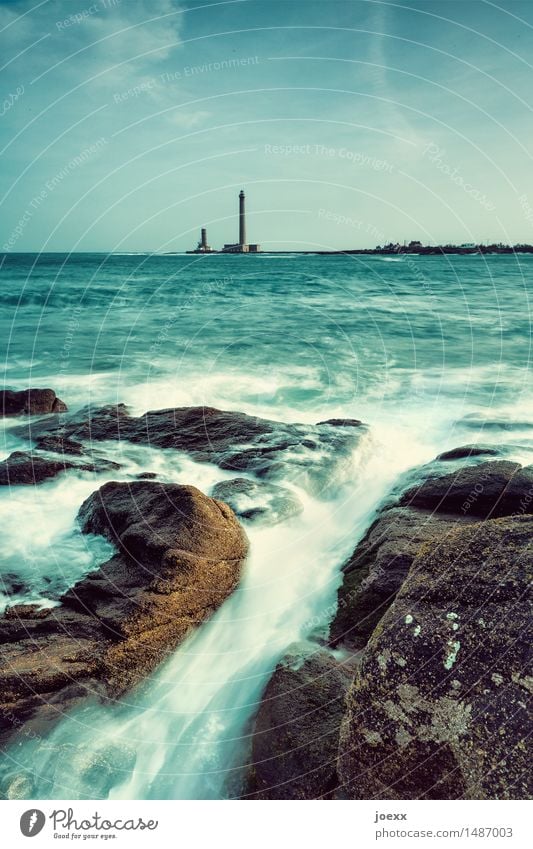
column 430, row 352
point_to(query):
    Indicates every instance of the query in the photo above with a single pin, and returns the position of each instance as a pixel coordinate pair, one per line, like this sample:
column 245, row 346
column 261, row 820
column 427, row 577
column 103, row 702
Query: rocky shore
column 179, row 555
column 428, row 691
column 421, row 688
column 179, row 552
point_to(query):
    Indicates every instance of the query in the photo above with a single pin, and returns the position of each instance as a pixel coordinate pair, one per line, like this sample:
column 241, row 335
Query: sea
column 431, row 352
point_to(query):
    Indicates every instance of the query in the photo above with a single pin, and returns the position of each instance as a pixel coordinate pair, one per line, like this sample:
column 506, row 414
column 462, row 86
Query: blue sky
column 128, row 125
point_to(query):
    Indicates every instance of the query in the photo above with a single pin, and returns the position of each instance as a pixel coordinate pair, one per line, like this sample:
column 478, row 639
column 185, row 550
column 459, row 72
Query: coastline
column 401, row 633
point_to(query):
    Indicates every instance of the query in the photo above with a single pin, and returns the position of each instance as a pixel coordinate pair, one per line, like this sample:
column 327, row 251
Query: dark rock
column 468, row 451
column 99, row 464
column 146, row 476
column 86, row 424
column 31, row 402
column 258, row 502
column 309, row 454
column 497, row 488
column 24, row 468
column 419, row 725
column 379, row 565
column 180, row 555
column 438, row 708
column 59, row 445
column 427, row 512
column 27, row 469
column 342, row 423
column 11, row 583
column 296, row 732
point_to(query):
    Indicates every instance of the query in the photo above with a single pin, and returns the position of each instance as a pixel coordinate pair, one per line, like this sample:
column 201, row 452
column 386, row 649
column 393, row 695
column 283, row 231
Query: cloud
column 395, row 117
column 90, row 38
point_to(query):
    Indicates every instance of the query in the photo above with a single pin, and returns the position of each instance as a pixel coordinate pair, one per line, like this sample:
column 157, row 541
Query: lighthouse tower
column 202, row 246
column 242, row 219
column 242, row 247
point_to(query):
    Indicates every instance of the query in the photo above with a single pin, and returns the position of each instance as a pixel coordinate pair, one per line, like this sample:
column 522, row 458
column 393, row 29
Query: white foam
column 187, row 729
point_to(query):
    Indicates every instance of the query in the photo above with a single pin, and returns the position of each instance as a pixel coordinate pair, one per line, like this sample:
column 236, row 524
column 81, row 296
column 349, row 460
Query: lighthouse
column 202, row 246
column 242, row 219
column 242, row 247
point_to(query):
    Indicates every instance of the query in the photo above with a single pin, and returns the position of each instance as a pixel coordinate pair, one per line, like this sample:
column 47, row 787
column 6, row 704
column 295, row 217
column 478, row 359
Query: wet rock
column 497, row 488
column 464, row 451
column 439, row 706
column 419, row 576
column 308, row 454
column 86, row 424
column 296, row 731
column 179, row 556
column 23, row 468
column 380, row 563
column 30, row 402
column 59, row 445
column 11, row 583
column 342, row 423
column 425, row 513
column 258, row 502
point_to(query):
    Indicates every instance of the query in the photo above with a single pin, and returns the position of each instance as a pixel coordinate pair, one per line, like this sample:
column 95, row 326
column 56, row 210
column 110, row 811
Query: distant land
column 419, row 248
column 385, row 250
column 393, row 249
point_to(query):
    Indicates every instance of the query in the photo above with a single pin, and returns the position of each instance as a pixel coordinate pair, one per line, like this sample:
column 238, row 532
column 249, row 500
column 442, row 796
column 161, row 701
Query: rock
column 295, row 736
column 497, row 488
column 258, row 502
column 468, row 451
column 24, row 468
column 438, row 707
column 59, row 445
column 418, row 561
column 87, row 424
column 423, row 514
column 30, row 402
column 342, row 423
column 179, row 556
column 379, row 565
column 21, row 467
column 308, row 454
column 12, row 584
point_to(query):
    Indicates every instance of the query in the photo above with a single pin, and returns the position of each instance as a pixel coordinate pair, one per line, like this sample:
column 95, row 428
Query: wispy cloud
column 378, row 75
column 89, row 40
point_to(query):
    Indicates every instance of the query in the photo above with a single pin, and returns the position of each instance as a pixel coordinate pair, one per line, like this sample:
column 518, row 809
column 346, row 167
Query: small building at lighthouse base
column 241, row 249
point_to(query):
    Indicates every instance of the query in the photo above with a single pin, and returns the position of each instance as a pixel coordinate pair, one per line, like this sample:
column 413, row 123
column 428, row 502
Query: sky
column 127, row 125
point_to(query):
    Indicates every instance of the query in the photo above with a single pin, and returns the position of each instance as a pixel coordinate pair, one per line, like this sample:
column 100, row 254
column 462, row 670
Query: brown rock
column 486, row 490
column 27, row 469
column 378, row 567
column 60, row 445
column 21, row 467
column 464, row 451
column 428, row 512
column 232, row 440
column 296, row 732
column 439, row 706
column 30, row 402
column 389, row 560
